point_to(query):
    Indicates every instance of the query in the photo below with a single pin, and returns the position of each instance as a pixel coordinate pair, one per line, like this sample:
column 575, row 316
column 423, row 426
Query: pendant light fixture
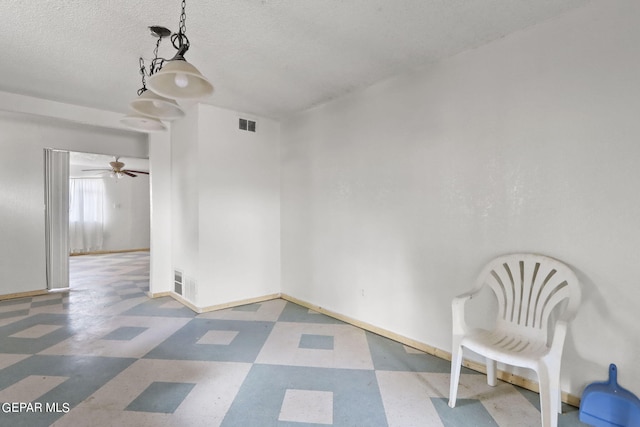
column 177, row 79
column 148, row 102
column 169, row 79
column 143, row 123
column 149, row 107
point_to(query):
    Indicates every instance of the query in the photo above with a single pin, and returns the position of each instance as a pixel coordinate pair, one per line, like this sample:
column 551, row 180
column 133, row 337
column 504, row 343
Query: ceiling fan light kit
column 169, row 80
column 117, row 170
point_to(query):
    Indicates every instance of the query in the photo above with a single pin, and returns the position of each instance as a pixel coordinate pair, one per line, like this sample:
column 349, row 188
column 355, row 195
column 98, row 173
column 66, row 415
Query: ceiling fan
column 117, row 170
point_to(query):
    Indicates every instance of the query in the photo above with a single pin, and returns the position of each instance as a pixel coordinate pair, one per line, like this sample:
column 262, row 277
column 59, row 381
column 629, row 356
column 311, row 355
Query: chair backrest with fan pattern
column 528, row 287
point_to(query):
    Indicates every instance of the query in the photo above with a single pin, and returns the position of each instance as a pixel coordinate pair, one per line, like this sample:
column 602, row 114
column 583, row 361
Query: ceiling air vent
column 248, row 125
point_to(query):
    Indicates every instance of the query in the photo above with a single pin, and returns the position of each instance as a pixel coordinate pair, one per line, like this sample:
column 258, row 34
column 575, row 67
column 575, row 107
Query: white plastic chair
column 528, row 287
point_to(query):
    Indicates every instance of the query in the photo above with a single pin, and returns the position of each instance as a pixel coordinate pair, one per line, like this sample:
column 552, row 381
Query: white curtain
column 86, row 215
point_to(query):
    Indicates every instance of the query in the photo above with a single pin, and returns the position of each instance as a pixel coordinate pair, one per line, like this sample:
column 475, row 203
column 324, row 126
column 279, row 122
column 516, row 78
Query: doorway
column 92, row 210
column 109, row 205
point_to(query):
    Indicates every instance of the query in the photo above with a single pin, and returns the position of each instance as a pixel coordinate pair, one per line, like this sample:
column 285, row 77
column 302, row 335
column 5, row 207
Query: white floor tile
column 307, row 406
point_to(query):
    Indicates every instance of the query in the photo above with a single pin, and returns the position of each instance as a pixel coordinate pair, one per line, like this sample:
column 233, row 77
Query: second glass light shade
column 154, row 105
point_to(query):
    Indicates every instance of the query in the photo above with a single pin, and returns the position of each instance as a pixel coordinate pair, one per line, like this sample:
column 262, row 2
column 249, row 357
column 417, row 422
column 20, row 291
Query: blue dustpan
column 606, row 404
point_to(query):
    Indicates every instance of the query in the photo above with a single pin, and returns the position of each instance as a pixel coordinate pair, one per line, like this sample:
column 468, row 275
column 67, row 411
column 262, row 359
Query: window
column 86, row 215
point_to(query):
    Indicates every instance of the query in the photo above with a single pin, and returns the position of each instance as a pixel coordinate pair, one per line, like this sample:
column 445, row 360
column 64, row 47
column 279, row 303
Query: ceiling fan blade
column 101, row 169
column 131, row 170
column 129, row 174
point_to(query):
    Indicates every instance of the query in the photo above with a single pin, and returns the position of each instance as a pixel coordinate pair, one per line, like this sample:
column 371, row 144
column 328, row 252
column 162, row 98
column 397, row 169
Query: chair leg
column 456, row 364
column 549, row 377
column 491, row 373
column 559, row 399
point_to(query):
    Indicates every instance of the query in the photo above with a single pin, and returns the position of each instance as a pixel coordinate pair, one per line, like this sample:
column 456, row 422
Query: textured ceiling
column 266, row 57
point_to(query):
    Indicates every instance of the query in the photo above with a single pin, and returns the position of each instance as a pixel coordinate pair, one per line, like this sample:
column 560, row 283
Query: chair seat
column 502, row 346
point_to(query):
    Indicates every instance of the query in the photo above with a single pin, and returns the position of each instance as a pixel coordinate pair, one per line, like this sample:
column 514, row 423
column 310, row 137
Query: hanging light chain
column 182, row 26
column 156, row 63
column 179, row 39
column 143, row 73
column 165, row 86
column 154, row 67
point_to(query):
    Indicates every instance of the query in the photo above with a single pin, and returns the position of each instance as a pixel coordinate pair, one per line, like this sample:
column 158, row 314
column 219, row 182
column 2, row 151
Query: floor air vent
column 177, row 281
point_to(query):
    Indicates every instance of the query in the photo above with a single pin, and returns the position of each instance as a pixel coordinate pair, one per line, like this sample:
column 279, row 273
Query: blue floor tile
column 245, row 347
column 356, row 401
column 161, row 397
column 296, row 313
column 252, row 308
column 15, row 345
column 86, row 375
column 152, row 307
column 319, row 342
column 389, row 355
column 125, row 333
column 468, row 412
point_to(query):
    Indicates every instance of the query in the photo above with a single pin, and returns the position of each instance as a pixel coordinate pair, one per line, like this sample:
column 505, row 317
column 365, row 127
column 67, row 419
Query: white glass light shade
column 143, row 123
column 154, row 105
column 180, row 80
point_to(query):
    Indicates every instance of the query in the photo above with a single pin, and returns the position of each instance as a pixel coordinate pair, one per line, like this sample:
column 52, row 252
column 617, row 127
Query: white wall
column 126, row 213
column 239, row 207
column 22, row 141
column 225, row 195
column 161, row 268
column 394, row 197
column 185, row 196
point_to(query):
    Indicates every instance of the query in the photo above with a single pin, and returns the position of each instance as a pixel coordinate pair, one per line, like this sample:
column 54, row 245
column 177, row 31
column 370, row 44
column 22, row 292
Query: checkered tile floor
column 105, row 354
